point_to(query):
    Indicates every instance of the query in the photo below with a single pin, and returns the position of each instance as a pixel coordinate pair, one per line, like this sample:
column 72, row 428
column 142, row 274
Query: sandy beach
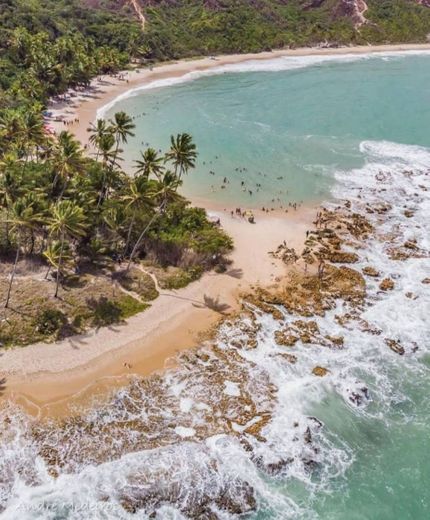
column 81, row 109
column 44, row 376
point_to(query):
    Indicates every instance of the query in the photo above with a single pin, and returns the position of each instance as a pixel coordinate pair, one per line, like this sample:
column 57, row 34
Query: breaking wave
column 270, row 65
column 243, row 425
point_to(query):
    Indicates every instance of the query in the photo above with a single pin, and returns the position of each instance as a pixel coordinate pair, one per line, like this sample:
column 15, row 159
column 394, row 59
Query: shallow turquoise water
column 288, row 130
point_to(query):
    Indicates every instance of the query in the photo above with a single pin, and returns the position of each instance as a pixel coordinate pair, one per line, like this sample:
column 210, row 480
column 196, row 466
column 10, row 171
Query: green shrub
column 105, row 311
column 183, row 277
column 49, row 321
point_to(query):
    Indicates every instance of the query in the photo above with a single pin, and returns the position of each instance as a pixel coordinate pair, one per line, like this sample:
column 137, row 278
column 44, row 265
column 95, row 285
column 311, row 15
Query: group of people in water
column 276, row 202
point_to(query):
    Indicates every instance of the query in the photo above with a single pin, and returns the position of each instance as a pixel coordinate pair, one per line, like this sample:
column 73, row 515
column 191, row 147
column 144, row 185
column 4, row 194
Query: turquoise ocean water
column 284, row 124
column 351, row 127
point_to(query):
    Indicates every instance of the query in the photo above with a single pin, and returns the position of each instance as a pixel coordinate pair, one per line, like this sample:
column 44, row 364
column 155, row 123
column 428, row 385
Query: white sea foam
column 365, row 375
column 270, row 65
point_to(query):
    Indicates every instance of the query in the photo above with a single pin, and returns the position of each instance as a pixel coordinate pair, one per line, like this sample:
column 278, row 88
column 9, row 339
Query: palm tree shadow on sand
column 213, row 304
column 235, row 273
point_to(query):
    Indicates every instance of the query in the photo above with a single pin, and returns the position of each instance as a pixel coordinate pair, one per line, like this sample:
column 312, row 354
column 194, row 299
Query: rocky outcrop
column 320, row 371
column 353, row 9
column 387, row 284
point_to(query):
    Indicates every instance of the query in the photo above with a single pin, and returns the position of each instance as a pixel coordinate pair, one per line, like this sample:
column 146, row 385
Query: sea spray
column 261, row 432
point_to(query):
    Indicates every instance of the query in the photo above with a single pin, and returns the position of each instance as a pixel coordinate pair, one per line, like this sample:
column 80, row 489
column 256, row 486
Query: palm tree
column 67, row 160
column 97, row 132
column 106, row 144
column 138, row 199
column 53, row 253
column 32, row 133
column 23, row 218
column 109, row 158
column 182, row 153
column 68, row 220
column 114, row 217
column 150, row 164
column 121, row 126
column 9, row 188
column 10, row 129
column 168, row 187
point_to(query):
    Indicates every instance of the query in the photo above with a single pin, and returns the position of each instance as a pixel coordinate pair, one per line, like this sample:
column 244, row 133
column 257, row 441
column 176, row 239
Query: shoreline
column 81, row 108
column 96, row 362
column 48, row 379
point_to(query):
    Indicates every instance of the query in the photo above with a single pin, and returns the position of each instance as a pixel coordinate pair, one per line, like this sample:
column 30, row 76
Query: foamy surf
column 180, row 445
column 278, row 64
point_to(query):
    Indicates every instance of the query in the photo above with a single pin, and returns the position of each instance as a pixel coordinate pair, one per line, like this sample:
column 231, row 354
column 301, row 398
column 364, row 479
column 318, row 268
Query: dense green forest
column 47, row 45
column 190, row 27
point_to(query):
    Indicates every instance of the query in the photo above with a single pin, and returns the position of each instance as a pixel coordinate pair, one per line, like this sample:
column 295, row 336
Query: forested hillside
column 64, row 42
column 188, row 27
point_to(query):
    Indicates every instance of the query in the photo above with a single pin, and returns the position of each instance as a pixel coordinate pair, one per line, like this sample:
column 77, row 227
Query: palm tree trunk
column 62, row 191
column 102, row 189
column 139, row 240
column 24, row 165
column 12, row 276
column 60, row 258
column 130, row 229
column 32, row 242
column 54, row 182
column 7, row 227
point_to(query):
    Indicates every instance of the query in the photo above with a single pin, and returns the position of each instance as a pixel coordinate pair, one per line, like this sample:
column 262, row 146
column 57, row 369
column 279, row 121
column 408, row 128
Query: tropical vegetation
column 77, row 214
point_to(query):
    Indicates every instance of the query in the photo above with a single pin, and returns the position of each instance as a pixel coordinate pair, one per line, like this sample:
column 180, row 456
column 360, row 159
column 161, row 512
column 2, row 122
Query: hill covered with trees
column 178, row 28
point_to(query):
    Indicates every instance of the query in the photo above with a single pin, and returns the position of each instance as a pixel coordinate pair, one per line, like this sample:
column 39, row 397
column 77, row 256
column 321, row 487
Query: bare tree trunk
column 57, row 284
column 7, row 227
column 130, row 229
column 139, row 240
column 62, row 191
column 12, row 277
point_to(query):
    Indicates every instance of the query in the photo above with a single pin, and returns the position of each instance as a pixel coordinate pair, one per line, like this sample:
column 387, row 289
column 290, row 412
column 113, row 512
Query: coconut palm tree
column 67, row 160
column 108, row 154
column 98, row 130
column 32, row 133
column 168, row 187
column 182, row 153
column 138, row 199
column 67, row 221
column 54, row 252
column 114, row 217
column 9, row 189
column 22, row 218
column 121, row 126
column 150, row 164
column 10, row 129
column 109, row 160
